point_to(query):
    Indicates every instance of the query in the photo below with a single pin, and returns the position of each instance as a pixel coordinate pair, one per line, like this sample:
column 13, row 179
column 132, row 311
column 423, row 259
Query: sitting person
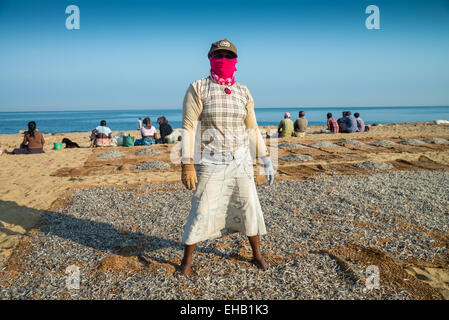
column 285, row 128
column 33, row 141
column 300, row 125
column 332, row 125
column 101, row 136
column 360, row 122
column 348, row 124
column 148, row 133
column 341, row 125
column 165, row 131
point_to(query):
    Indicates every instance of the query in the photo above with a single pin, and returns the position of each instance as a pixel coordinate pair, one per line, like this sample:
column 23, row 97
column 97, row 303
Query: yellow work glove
column 188, row 176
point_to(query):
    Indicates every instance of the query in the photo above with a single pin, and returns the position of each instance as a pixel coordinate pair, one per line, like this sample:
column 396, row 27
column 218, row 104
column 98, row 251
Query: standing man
column 225, row 198
column 301, row 125
column 285, row 128
column 139, row 124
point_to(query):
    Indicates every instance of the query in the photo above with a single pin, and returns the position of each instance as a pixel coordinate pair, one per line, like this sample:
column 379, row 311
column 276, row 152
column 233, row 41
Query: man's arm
column 256, row 143
column 191, row 112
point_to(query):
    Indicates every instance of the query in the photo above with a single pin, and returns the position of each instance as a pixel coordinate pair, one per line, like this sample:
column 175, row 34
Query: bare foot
column 185, row 269
column 260, row 263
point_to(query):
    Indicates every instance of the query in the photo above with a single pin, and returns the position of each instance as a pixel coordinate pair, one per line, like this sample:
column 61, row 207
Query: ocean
column 121, row 120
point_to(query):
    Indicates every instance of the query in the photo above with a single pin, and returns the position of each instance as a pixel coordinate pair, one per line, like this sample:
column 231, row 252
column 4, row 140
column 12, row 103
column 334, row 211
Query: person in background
column 360, row 122
column 101, row 136
column 348, row 124
column 139, row 124
column 165, row 131
column 33, row 141
column 285, row 128
column 148, row 133
column 332, row 124
column 340, row 123
column 300, row 125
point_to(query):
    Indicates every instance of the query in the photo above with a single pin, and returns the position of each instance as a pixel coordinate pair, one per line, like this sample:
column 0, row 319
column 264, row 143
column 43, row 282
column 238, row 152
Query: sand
column 30, row 184
column 436, row 277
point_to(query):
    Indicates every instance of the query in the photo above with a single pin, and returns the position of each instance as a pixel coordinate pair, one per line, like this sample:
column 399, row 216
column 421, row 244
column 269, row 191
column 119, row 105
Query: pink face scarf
column 222, row 70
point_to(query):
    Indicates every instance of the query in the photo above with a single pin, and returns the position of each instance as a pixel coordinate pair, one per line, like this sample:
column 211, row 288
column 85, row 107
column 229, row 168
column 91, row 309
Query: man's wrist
column 186, row 161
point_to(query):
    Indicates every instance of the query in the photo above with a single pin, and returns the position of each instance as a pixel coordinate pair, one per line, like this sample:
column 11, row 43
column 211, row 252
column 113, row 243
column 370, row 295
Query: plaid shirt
column 332, row 125
column 217, row 124
column 223, row 117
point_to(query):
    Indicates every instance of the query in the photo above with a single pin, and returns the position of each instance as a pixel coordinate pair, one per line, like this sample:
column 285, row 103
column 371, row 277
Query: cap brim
column 216, row 49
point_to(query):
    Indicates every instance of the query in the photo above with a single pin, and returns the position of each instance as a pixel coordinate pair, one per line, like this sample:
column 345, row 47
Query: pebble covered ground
column 113, row 154
column 126, row 241
column 373, row 165
column 152, row 165
column 384, row 143
column 291, row 145
column 148, row 151
column 295, row 157
column 412, row 142
column 325, row 144
column 436, row 140
column 352, row 143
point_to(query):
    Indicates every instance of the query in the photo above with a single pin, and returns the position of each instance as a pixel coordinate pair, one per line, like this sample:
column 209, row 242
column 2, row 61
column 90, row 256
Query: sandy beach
column 372, row 198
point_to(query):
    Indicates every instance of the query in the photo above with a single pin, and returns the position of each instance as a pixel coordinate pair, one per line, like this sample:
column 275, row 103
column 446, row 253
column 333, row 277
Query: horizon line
column 180, row 108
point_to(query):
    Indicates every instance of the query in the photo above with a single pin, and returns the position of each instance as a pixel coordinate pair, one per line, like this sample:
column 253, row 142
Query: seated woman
column 33, row 141
column 165, row 131
column 101, row 136
column 148, row 134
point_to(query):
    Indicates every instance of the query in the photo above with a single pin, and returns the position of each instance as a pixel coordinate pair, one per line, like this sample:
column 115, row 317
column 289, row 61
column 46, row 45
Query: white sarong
column 225, row 201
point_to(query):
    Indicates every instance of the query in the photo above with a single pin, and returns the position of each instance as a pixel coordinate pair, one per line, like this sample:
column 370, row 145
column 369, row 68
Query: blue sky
column 143, row 54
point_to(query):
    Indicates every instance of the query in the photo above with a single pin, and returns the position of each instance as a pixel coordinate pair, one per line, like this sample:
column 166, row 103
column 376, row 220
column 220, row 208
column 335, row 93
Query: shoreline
column 311, row 129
